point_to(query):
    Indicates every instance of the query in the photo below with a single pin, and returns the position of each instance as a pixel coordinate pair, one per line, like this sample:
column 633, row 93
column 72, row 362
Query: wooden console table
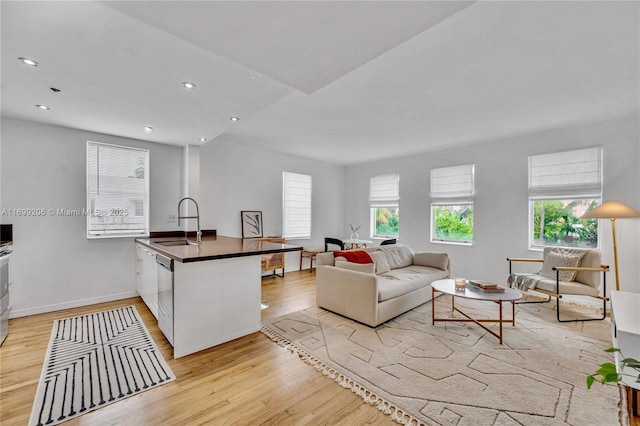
column 272, row 261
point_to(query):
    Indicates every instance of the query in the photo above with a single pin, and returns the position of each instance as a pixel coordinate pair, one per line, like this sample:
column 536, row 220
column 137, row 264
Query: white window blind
column 117, row 191
column 384, row 190
column 454, row 183
column 566, row 174
column 296, row 198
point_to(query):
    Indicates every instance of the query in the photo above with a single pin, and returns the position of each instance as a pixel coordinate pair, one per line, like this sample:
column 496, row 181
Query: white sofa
column 397, row 281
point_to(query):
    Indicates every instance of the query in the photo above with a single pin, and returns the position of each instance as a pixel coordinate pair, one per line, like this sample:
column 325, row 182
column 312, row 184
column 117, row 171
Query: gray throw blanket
column 524, row 281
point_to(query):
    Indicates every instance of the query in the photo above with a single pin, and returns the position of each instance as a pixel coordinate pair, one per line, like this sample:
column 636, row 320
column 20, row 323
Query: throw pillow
column 398, row 256
column 558, row 259
column 355, row 256
column 368, row 268
column 380, row 261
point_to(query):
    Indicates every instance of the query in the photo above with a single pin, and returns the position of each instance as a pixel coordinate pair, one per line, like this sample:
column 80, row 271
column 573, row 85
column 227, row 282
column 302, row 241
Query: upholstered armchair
column 564, row 272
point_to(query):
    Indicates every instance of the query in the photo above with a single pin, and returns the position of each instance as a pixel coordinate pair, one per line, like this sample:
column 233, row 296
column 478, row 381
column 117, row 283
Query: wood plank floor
column 248, row 381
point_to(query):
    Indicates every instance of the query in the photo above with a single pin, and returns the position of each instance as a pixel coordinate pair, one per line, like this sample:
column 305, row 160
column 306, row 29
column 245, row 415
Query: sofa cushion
column 398, row 282
column 355, row 256
column 435, row 260
column 368, row 268
column 555, row 259
column 380, row 260
column 398, row 256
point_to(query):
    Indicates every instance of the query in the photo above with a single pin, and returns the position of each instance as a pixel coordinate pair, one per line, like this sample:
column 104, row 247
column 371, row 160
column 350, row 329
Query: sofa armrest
column 432, row 259
column 350, row 293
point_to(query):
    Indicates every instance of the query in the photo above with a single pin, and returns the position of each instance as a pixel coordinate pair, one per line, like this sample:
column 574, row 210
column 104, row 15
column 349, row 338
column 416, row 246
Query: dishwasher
column 165, row 296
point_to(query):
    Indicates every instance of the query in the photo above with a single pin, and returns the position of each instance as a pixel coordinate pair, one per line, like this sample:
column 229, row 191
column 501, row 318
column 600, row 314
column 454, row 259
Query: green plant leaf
column 611, row 377
column 610, row 350
column 590, row 380
column 606, row 368
column 633, row 363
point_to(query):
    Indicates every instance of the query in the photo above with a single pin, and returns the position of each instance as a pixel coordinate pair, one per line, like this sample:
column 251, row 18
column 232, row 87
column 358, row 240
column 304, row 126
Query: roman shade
column 453, row 184
column 384, row 190
column 296, row 208
column 568, row 174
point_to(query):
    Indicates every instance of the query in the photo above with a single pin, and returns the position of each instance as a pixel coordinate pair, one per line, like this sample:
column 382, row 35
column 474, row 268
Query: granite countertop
column 214, row 247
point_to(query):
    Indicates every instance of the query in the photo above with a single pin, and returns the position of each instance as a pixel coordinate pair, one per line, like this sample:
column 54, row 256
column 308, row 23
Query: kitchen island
column 213, row 295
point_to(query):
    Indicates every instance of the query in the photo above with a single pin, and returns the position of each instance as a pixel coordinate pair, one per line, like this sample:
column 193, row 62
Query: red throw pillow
column 355, row 256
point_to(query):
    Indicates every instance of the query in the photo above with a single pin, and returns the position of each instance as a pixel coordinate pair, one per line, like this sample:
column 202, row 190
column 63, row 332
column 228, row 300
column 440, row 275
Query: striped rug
column 95, row 360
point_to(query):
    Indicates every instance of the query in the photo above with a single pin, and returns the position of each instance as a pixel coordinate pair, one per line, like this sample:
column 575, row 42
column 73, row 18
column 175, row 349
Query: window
column 384, row 199
column 296, row 205
column 452, row 192
column 117, row 191
column 562, row 187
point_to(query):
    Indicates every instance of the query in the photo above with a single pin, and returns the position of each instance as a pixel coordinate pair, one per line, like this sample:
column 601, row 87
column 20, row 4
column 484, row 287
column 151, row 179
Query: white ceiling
column 342, row 82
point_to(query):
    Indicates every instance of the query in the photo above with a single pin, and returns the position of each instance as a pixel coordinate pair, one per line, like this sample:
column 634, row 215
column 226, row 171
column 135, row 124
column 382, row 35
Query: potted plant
column 608, row 372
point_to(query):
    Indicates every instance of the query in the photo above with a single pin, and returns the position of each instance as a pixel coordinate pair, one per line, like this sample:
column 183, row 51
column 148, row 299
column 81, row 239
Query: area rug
column 95, row 360
column 457, row 373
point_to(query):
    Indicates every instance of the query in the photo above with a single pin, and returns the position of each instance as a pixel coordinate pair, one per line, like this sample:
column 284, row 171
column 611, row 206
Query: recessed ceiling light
column 46, row 108
column 202, row 139
column 188, row 85
column 148, row 129
column 28, row 61
column 234, row 118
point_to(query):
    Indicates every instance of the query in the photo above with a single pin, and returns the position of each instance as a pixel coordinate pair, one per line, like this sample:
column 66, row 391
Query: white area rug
column 457, row 373
column 95, row 360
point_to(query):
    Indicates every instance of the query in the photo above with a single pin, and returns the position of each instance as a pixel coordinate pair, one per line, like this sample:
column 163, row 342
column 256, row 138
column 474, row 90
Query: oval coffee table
column 448, row 286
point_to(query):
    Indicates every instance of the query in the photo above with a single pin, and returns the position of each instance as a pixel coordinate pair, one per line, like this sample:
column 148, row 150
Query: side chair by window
column 564, row 272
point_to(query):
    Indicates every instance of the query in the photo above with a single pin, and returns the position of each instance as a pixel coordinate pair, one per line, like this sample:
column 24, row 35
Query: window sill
column 454, row 243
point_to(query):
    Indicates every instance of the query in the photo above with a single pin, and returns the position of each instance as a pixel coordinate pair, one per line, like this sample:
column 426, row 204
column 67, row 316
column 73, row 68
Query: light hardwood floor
column 247, row 381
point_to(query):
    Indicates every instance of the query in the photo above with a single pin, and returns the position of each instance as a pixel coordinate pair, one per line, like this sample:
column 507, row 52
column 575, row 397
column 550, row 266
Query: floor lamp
column 612, row 210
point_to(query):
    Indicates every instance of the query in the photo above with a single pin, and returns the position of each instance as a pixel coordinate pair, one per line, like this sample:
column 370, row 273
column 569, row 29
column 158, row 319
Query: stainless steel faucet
column 196, row 217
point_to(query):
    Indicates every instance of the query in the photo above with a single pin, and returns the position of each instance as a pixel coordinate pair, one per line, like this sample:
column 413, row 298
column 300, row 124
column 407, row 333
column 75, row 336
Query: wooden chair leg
column 301, row 252
column 311, row 256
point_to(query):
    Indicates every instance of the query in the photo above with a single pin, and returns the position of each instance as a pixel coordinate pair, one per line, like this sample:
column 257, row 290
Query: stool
column 311, row 253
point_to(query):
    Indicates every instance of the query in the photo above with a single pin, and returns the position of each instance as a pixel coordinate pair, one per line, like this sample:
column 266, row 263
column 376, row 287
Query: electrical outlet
column 172, row 218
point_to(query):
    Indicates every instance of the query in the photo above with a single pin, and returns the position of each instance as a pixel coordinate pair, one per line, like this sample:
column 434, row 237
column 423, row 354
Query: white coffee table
column 448, row 286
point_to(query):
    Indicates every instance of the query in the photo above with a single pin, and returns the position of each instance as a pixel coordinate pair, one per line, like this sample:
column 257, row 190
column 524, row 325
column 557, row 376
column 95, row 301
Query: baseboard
column 17, row 313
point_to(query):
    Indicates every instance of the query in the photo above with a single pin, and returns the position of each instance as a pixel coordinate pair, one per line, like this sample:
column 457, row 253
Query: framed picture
column 251, row 224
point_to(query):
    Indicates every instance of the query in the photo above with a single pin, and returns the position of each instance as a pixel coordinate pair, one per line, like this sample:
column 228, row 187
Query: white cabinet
column 625, row 328
column 147, row 277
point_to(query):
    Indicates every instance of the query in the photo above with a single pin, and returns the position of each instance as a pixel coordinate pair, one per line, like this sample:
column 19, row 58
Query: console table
column 625, row 335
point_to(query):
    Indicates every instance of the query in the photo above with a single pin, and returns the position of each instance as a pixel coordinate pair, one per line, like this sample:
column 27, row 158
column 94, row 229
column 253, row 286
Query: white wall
column 54, row 265
column 235, row 178
column 501, row 203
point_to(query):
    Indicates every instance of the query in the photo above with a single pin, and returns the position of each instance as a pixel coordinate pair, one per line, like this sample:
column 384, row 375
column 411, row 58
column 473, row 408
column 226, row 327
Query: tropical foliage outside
column 387, row 221
column 557, row 223
column 453, row 223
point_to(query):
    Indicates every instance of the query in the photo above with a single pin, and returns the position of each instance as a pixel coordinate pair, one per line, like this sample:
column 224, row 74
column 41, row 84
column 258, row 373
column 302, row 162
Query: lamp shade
column 611, row 210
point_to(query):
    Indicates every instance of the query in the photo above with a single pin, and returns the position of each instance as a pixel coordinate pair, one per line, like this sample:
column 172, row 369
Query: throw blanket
column 524, row 281
column 355, row 256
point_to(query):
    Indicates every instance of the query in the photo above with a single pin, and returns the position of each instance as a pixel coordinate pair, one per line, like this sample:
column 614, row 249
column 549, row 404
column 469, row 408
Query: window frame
column 451, row 186
column 285, row 228
column 90, row 211
column 589, row 189
column 384, row 192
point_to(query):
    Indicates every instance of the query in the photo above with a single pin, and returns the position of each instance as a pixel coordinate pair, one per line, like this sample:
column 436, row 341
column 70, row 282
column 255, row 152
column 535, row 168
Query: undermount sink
column 177, row 243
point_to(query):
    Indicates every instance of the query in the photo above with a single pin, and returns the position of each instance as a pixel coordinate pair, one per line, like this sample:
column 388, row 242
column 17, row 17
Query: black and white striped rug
column 95, row 360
